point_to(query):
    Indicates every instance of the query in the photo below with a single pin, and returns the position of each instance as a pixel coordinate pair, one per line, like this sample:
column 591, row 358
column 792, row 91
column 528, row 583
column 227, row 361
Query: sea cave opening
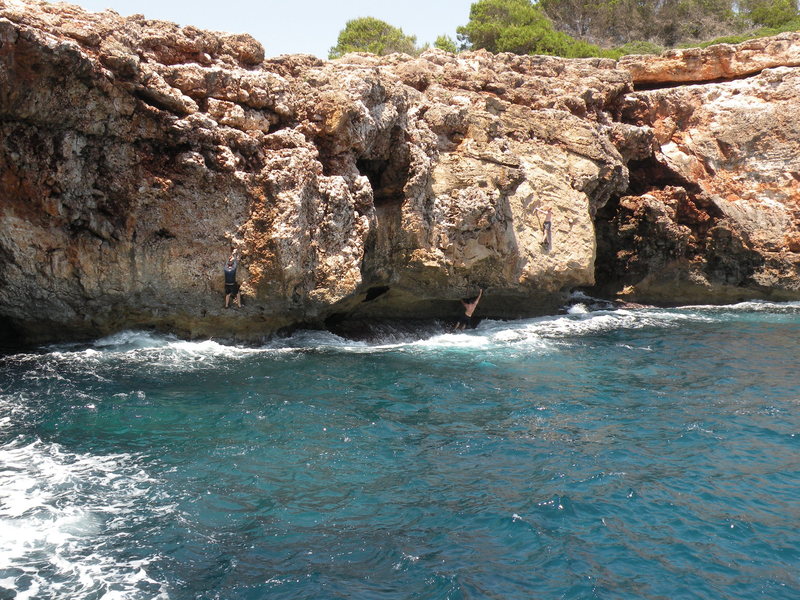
column 387, row 177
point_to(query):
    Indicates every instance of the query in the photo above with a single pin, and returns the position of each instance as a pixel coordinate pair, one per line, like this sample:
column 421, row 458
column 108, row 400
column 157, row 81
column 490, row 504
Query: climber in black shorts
column 231, row 287
column 469, row 304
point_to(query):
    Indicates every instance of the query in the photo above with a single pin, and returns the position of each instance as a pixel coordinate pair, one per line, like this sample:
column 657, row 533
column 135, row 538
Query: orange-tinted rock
column 718, row 62
column 733, row 147
column 135, row 153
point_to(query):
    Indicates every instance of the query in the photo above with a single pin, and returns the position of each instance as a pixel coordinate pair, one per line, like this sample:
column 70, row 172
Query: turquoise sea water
column 629, row 454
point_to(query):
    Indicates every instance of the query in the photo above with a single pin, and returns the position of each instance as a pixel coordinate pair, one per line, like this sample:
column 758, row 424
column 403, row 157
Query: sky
column 297, row 26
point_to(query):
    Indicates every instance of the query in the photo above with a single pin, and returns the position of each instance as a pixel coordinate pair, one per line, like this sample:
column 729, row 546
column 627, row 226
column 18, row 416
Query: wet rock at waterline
column 136, row 153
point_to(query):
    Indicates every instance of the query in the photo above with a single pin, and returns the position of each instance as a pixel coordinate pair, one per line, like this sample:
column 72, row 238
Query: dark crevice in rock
column 334, row 320
column 375, row 292
column 152, row 99
column 648, row 174
column 382, row 242
column 665, row 236
column 373, row 169
column 665, row 85
column 387, row 330
column 636, row 237
column 164, row 234
column 281, row 124
column 608, row 273
column 11, row 338
column 388, row 173
column 387, row 176
column 158, row 157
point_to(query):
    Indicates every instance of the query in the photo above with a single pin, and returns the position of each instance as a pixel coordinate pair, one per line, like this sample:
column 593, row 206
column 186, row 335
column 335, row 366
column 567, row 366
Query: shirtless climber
column 469, row 304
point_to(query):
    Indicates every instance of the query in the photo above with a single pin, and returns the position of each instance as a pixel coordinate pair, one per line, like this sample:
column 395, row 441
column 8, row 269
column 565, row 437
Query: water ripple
column 608, row 454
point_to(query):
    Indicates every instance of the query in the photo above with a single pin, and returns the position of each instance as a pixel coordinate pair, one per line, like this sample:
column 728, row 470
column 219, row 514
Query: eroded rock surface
column 135, row 153
column 718, row 217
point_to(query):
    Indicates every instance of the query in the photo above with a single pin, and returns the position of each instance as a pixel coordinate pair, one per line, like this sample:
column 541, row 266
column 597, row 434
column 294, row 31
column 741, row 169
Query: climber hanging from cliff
column 547, row 226
column 231, row 287
column 469, row 305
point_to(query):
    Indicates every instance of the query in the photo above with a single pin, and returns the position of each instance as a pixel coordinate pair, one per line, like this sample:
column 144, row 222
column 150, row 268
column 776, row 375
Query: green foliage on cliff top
column 520, row 27
column 771, row 13
column 446, row 43
column 368, row 34
column 639, row 47
column 793, row 25
column 586, row 28
column 613, row 28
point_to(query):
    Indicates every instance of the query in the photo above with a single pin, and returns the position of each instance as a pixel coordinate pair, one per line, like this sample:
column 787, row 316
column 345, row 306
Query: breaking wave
column 581, row 319
column 62, row 517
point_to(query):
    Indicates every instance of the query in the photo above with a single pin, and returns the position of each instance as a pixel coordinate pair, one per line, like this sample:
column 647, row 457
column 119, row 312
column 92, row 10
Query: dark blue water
column 630, row 454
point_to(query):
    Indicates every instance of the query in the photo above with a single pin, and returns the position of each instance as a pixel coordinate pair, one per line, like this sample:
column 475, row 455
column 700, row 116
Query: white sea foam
column 131, row 340
column 747, row 306
column 453, row 340
column 12, row 410
column 578, row 309
column 531, row 333
column 147, row 350
column 582, row 319
column 59, row 514
column 147, row 344
column 536, row 333
column 581, row 324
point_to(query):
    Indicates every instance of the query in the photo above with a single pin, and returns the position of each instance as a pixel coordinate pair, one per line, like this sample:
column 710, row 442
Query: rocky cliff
column 135, row 153
column 713, row 215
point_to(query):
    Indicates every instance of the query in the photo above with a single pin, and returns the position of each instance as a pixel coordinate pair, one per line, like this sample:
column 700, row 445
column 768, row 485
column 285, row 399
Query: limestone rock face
column 720, row 214
column 134, row 154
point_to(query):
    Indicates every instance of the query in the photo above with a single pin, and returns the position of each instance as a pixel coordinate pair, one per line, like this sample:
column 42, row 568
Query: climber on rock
column 547, row 226
column 469, row 305
column 231, row 287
